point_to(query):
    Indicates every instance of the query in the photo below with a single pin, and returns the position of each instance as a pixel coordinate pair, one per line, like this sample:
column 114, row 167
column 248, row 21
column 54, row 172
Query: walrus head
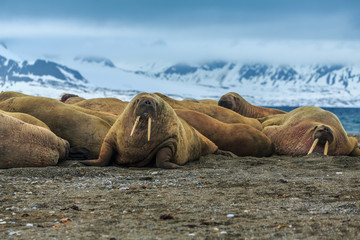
column 323, row 136
column 228, row 101
column 145, row 109
column 66, row 96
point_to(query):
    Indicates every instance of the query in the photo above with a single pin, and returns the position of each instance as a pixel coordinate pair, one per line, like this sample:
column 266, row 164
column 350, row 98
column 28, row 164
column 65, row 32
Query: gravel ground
column 217, row 197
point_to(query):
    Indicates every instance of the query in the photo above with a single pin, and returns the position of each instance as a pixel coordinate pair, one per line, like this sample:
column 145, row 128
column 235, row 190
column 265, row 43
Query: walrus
column 27, row 145
column 26, row 118
column 109, row 118
column 217, row 112
column 240, row 139
column 108, row 105
column 238, row 104
column 309, row 129
column 10, row 94
column 149, row 133
column 206, row 101
column 82, row 130
column 70, row 98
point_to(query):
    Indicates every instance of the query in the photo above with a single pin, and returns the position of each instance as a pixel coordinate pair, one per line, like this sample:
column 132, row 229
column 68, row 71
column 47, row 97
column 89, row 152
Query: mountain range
column 261, row 84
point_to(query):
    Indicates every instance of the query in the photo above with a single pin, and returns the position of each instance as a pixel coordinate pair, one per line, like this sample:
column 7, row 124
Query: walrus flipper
column 163, row 157
column 105, row 156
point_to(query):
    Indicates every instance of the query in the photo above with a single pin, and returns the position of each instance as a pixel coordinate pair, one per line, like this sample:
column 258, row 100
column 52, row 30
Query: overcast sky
column 144, row 31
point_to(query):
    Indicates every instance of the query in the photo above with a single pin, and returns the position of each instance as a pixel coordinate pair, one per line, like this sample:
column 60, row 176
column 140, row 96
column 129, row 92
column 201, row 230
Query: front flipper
column 105, row 156
column 163, row 157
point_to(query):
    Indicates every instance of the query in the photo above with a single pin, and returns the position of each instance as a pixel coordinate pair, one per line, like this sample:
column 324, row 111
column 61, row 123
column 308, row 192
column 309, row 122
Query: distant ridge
column 260, row 84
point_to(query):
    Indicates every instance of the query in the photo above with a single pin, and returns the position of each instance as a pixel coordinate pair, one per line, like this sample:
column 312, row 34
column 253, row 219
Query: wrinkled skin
column 27, row 145
column 222, row 114
column 294, row 133
column 238, row 104
column 238, row 138
column 172, row 141
column 82, row 130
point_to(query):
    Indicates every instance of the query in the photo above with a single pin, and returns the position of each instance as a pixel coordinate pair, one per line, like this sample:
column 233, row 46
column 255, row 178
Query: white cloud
column 140, row 44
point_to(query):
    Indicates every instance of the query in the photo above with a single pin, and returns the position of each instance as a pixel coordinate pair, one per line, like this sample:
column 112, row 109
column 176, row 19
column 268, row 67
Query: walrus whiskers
column 313, row 146
column 326, row 148
column 149, row 128
column 136, row 122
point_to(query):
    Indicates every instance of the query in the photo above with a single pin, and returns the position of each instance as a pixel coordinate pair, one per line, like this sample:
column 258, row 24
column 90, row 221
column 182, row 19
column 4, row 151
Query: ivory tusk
column 326, row 148
column 136, row 122
column 313, row 146
column 149, row 128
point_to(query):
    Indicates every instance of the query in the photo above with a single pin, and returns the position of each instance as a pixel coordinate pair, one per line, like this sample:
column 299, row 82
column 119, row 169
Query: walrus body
column 27, row 145
column 309, row 129
column 109, row 105
column 80, row 129
column 238, row 104
column 26, row 118
column 149, row 133
column 240, row 139
column 205, row 101
column 217, row 112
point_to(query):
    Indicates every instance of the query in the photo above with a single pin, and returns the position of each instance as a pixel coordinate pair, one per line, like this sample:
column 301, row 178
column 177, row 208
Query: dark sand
column 217, row 197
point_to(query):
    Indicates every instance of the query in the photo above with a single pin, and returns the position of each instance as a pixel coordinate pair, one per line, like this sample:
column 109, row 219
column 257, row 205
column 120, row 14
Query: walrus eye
column 137, row 100
column 315, row 127
column 234, row 98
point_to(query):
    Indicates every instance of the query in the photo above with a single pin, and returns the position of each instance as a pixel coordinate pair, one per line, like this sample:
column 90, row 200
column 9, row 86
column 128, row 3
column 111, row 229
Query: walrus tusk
column 326, row 148
column 149, row 128
column 136, row 122
column 313, row 146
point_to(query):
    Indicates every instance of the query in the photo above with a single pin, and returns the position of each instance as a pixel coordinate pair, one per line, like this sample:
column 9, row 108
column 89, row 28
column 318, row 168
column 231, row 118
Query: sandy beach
column 217, row 197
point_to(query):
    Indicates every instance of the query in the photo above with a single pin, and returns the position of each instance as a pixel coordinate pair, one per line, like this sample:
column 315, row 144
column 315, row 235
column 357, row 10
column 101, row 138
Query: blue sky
column 144, row 31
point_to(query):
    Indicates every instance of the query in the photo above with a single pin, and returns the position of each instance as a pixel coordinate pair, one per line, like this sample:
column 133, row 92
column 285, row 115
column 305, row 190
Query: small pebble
column 223, row 232
column 230, row 215
column 29, row 225
column 338, row 173
column 192, row 234
column 13, row 233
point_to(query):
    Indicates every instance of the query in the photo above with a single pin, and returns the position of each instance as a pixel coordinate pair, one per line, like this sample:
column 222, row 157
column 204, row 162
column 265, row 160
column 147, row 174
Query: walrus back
column 27, row 145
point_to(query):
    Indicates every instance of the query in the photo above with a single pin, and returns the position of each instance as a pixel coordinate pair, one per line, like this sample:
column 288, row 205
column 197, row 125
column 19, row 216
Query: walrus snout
column 324, row 134
column 146, row 107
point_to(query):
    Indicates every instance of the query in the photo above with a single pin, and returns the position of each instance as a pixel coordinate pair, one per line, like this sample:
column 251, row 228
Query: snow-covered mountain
column 272, row 85
column 260, row 84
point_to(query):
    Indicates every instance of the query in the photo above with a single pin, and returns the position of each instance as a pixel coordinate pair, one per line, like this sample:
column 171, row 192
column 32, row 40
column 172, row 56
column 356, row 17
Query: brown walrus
column 109, row 118
column 206, row 101
column 309, row 129
column 109, row 105
column 238, row 104
column 217, row 112
column 9, row 94
column 82, row 130
column 27, row 145
column 149, row 133
column 240, row 139
column 26, row 118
